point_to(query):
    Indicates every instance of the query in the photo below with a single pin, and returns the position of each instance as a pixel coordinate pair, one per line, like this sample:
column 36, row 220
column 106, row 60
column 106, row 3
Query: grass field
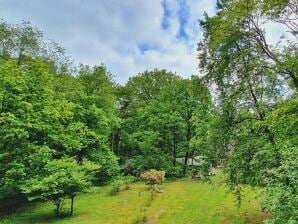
column 182, row 202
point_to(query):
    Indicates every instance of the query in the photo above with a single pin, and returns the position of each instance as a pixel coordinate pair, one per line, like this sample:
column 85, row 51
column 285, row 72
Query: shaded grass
column 183, row 202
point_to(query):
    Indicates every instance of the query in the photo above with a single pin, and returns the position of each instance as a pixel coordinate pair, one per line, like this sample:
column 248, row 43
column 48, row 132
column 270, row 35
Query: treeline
column 65, row 128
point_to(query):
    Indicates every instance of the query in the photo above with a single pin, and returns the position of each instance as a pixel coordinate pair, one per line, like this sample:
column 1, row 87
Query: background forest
column 66, row 128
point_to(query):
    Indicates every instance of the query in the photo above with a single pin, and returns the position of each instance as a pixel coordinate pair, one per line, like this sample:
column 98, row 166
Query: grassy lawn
column 183, row 202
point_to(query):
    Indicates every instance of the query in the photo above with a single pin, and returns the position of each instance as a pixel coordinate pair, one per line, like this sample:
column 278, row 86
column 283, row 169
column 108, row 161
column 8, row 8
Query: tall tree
column 157, row 111
column 250, row 78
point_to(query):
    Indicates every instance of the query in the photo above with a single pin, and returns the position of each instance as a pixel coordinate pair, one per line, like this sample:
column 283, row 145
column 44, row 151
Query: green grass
column 183, row 202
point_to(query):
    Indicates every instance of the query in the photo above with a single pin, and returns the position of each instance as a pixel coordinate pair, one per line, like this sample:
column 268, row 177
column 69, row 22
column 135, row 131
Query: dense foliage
column 256, row 99
column 55, row 127
column 157, row 109
column 62, row 127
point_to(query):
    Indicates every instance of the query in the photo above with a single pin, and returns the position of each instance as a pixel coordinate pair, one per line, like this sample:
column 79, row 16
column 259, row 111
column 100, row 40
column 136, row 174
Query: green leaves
column 157, row 109
column 60, row 178
column 255, row 84
column 54, row 139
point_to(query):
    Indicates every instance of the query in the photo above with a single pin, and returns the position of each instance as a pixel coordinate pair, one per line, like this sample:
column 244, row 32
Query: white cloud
column 111, row 31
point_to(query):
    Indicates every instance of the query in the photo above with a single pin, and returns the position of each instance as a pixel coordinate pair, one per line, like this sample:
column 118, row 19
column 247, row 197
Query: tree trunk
column 71, row 206
column 174, row 146
column 58, row 204
column 113, row 140
column 185, row 163
column 262, row 116
column 57, row 211
column 20, row 57
column 119, row 142
column 188, row 138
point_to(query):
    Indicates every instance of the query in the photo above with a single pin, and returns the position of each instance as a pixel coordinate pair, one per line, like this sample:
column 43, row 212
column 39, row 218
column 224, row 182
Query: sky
column 128, row 36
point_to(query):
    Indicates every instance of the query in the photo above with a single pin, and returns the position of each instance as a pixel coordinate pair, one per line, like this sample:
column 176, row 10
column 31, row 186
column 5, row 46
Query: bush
column 153, row 176
column 115, row 188
column 120, row 181
column 174, row 172
column 138, row 164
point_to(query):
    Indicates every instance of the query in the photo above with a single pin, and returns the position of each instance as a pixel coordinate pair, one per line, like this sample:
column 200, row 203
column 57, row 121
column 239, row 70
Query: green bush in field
column 121, row 181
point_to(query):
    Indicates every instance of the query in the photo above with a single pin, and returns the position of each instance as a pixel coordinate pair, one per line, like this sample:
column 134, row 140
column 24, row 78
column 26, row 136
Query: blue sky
column 128, row 36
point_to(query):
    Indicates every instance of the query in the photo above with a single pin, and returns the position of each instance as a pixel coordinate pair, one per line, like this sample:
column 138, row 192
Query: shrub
column 173, row 172
column 153, row 176
column 115, row 188
column 120, row 181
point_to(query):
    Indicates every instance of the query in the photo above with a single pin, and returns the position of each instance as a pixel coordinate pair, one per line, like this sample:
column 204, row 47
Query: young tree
column 58, row 180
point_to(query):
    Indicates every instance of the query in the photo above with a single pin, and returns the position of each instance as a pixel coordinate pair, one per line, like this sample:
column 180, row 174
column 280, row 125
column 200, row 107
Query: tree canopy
column 256, row 92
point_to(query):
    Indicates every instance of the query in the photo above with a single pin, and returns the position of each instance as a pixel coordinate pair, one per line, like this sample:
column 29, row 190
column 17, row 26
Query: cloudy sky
column 128, row 36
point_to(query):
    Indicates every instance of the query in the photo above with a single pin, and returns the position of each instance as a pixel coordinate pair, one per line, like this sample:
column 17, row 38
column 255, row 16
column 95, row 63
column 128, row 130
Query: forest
column 67, row 128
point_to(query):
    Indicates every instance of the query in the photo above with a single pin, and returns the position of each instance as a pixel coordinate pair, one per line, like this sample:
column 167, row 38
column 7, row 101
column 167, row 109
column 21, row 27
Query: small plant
column 153, row 178
column 120, row 183
column 128, row 180
column 126, row 187
column 115, row 188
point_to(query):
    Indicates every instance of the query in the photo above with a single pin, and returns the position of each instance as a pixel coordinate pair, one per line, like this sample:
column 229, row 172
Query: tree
column 251, row 78
column 144, row 130
column 281, row 181
column 157, row 112
column 6, row 40
column 60, row 179
column 25, row 99
column 42, row 130
column 97, row 111
column 23, row 42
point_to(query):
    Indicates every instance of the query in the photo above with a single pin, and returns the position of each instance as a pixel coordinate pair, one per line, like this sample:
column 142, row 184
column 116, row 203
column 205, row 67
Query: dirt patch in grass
column 153, row 219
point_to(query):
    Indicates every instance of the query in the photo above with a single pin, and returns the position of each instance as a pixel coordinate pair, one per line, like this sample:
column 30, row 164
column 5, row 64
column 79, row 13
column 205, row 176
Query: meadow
column 184, row 201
